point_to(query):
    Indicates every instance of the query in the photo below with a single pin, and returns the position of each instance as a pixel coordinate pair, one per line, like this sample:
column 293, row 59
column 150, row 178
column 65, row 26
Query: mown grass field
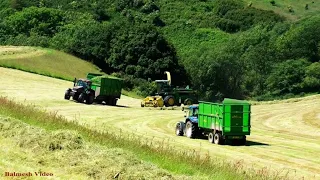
column 67, row 155
column 45, row 62
column 284, row 136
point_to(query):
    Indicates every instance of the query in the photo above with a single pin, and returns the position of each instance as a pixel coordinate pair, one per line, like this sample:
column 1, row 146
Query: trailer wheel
column 218, row 138
column 211, row 137
column 114, row 102
column 179, row 128
column 190, row 130
column 243, row 141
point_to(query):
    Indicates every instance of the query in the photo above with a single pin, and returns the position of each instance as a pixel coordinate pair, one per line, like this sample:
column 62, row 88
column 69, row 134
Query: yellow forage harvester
column 152, row 101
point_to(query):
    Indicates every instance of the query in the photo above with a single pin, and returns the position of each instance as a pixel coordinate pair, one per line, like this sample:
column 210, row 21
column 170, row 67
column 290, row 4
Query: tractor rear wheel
column 218, row 138
column 211, row 137
column 169, row 101
column 179, row 128
column 90, row 99
column 190, row 130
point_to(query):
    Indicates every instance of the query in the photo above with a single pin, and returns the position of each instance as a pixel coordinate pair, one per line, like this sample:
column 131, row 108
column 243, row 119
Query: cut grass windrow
column 160, row 153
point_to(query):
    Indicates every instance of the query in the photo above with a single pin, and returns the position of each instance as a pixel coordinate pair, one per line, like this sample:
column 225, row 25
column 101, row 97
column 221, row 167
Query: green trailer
column 228, row 121
column 96, row 87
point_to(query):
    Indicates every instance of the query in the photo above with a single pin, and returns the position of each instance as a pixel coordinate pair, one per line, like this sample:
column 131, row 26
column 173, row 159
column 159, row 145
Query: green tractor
column 174, row 95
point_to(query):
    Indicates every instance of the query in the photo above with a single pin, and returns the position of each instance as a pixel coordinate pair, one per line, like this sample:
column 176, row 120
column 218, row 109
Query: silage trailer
column 228, row 121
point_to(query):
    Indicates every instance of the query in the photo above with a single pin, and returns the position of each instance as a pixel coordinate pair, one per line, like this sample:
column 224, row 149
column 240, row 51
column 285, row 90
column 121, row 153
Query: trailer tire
column 180, row 128
column 190, row 130
column 218, row 138
column 114, row 102
column 243, row 141
column 211, row 137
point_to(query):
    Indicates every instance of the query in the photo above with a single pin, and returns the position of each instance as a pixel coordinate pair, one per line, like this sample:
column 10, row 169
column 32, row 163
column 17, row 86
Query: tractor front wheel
column 67, row 95
column 169, row 101
column 179, row 128
column 81, row 98
column 188, row 102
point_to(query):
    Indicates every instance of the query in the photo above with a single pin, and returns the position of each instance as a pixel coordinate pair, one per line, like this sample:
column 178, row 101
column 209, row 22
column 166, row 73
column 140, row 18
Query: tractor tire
column 90, row 99
column 180, row 128
column 81, row 98
column 187, row 102
column 190, row 130
column 75, row 97
column 218, row 138
column 211, row 137
column 169, row 101
column 67, row 95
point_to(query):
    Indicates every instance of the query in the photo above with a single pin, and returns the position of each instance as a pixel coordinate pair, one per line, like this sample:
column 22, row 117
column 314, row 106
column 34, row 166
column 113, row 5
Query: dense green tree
column 41, row 21
column 287, row 77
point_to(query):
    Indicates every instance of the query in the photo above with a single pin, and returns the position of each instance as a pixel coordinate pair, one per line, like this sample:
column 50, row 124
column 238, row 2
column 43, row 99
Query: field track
column 285, row 135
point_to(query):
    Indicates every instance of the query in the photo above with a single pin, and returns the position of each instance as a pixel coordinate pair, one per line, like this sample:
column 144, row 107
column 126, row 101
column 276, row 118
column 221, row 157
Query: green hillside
column 281, row 7
column 222, row 48
column 45, row 62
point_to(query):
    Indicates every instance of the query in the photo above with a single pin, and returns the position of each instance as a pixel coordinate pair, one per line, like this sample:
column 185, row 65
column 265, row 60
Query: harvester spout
column 168, row 77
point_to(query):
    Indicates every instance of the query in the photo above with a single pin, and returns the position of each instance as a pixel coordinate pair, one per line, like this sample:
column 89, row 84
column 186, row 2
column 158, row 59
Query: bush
column 273, row 2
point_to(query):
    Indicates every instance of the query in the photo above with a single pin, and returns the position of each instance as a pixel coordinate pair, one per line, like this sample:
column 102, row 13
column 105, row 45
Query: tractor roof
column 193, row 107
column 85, row 80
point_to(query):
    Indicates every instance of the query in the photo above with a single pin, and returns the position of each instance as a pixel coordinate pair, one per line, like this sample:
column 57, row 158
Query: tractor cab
column 163, row 86
column 82, row 83
column 191, row 113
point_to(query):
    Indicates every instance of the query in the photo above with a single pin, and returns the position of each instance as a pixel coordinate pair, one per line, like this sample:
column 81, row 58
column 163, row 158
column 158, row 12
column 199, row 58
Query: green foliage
column 41, row 21
column 312, row 80
column 302, row 40
column 287, row 77
column 222, row 7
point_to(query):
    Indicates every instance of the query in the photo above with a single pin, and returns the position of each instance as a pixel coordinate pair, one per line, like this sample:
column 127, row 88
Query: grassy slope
column 45, row 62
column 275, row 143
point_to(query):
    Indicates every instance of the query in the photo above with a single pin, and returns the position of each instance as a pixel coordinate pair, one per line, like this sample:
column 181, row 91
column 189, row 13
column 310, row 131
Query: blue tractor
column 190, row 126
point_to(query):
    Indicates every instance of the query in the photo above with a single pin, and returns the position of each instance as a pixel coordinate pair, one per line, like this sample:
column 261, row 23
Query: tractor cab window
column 193, row 112
column 82, row 83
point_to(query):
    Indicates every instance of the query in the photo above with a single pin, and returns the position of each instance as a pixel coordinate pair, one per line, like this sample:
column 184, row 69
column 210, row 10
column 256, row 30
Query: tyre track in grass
column 275, row 143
